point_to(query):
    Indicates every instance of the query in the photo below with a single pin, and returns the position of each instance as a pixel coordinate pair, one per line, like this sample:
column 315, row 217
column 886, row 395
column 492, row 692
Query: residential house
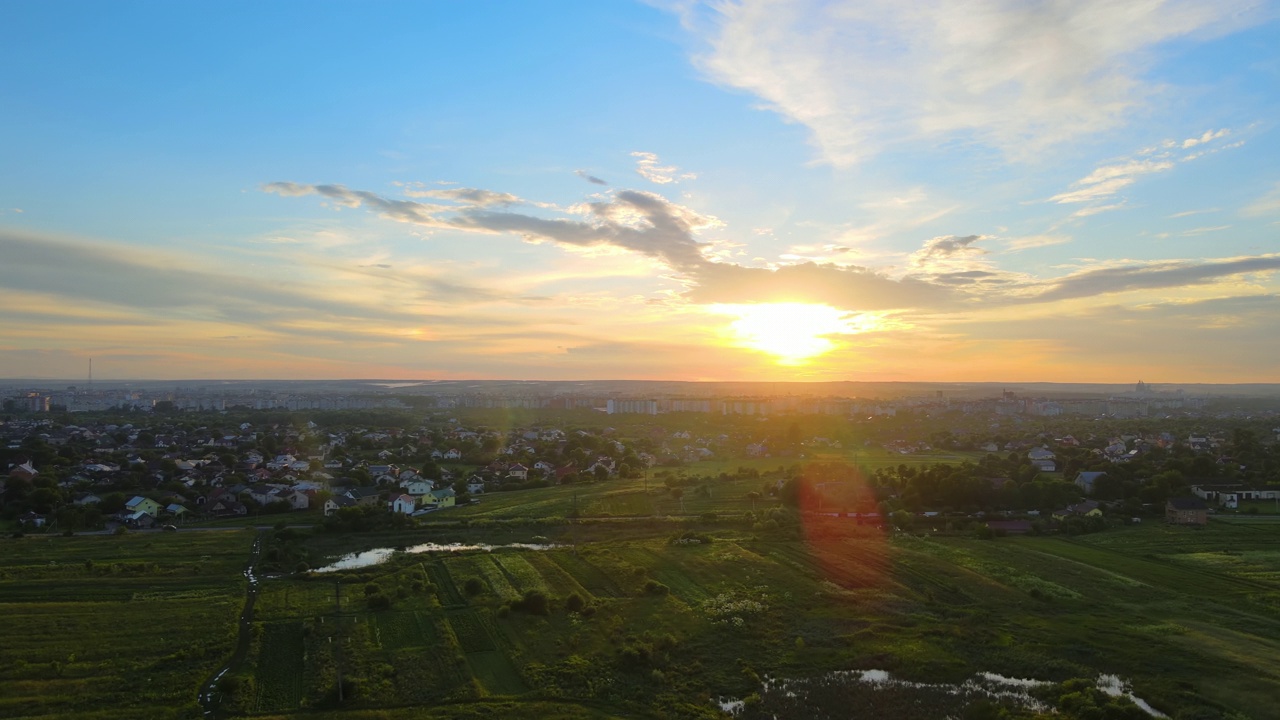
column 419, row 487
column 442, row 498
column 32, row 518
column 364, row 495
column 475, row 486
column 1186, row 511
column 1085, row 481
column 140, row 520
column 337, row 501
column 141, row 504
column 518, row 471
column 176, row 510
column 453, row 454
column 404, row 504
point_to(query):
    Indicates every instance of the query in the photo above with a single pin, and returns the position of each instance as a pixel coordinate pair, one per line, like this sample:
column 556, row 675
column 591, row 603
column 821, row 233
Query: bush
column 574, row 603
column 534, row 602
column 653, row 587
column 378, row 602
column 473, row 587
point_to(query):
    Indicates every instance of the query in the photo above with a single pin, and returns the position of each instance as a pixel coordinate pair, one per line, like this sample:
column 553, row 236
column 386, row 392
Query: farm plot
column 561, row 583
column 484, row 568
column 279, row 672
column 288, row 599
column 620, row 503
column 401, row 630
column 472, row 635
column 585, row 574
column 519, row 572
column 493, row 668
column 666, row 571
column 445, row 589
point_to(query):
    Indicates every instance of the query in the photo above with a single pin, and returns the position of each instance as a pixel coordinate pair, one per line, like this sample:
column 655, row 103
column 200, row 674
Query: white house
column 475, row 487
column 518, row 471
column 404, row 504
column 419, row 487
column 453, row 454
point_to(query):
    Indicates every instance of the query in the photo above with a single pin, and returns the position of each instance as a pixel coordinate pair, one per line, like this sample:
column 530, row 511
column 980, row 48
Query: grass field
column 1190, row 617
column 101, row 626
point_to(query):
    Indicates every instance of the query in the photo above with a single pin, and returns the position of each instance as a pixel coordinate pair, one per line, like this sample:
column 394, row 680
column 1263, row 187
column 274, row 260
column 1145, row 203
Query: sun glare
column 792, row 332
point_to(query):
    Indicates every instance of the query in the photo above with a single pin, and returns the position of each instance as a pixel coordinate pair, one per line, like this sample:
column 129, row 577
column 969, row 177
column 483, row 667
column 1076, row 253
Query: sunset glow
column 791, row 332
column 976, row 195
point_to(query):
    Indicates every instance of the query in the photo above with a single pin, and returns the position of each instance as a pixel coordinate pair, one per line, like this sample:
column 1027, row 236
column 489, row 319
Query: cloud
column 1019, row 76
column 83, row 277
column 840, row 286
column 947, row 274
column 1036, row 241
column 1189, row 213
column 947, row 247
column 1268, row 204
column 589, row 177
column 1096, row 209
column 471, row 197
column 1208, row 136
column 1149, row 276
column 1107, row 180
column 648, row 168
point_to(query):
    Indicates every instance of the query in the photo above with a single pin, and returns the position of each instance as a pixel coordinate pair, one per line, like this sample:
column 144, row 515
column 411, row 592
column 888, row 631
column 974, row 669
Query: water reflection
column 368, row 558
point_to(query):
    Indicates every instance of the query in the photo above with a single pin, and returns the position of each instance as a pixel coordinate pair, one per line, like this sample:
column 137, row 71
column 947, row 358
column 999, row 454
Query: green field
column 103, row 626
column 1190, row 617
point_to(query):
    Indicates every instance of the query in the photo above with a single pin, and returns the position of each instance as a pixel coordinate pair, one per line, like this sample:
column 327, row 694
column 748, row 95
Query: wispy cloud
column 1189, row 213
column 1018, row 76
column 1036, row 241
column 590, row 178
column 1268, row 204
column 947, row 273
column 649, row 168
column 1106, row 181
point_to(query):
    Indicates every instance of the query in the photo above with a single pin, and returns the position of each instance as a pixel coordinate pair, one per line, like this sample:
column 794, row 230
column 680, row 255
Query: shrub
column 534, row 602
column 574, row 603
column 653, row 587
column 473, row 586
column 378, row 602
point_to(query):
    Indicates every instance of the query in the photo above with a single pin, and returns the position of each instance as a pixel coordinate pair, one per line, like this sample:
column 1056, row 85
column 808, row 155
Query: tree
column 753, row 496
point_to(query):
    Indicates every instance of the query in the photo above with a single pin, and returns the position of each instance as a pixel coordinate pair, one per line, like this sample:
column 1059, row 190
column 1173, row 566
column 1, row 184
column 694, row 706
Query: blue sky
column 929, row 191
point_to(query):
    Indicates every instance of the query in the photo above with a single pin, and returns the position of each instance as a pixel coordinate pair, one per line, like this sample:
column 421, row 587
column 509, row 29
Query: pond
column 368, row 558
column 879, row 692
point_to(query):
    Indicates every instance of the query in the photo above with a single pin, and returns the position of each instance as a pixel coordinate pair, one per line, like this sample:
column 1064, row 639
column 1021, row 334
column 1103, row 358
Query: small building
column 141, row 504
column 404, row 504
column 443, row 498
column 1186, row 511
column 1086, row 480
column 337, row 502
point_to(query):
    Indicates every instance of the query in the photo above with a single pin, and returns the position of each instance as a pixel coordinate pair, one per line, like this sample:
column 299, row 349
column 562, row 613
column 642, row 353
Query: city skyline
column 673, row 190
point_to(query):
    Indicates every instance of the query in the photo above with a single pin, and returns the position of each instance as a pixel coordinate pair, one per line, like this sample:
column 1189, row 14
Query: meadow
column 644, row 618
column 103, row 626
column 636, row 625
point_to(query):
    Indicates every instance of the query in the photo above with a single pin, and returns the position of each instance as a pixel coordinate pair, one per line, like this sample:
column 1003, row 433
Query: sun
column 791, row 332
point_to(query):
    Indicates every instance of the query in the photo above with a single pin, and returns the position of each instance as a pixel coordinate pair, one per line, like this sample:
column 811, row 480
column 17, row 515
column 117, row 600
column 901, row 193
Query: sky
column 871, row 190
